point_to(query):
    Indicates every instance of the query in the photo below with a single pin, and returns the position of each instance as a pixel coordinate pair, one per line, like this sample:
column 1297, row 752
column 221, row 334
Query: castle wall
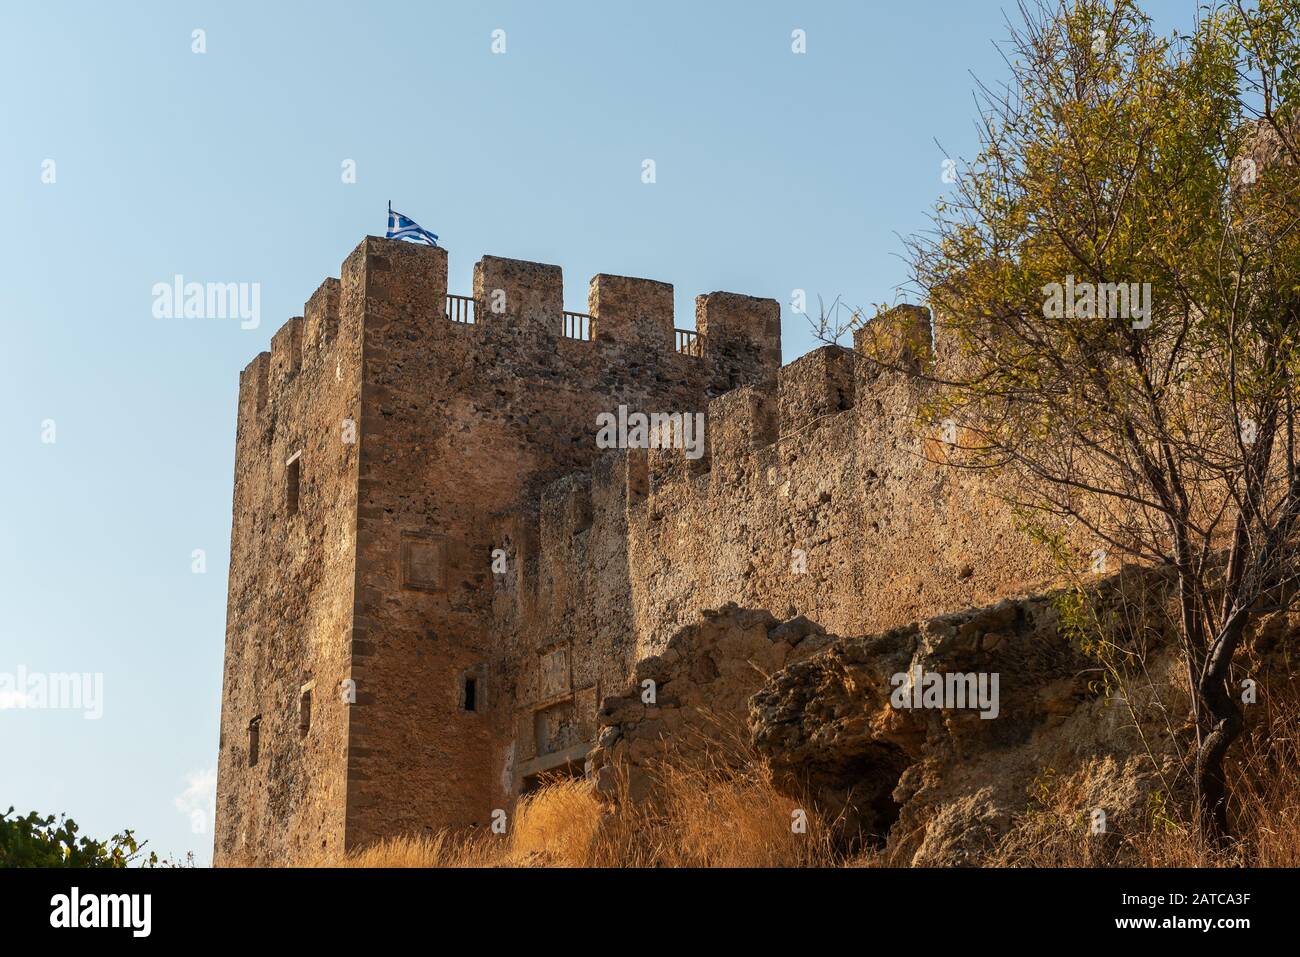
column 290, row 591
column 565, row 623
column 822, row 495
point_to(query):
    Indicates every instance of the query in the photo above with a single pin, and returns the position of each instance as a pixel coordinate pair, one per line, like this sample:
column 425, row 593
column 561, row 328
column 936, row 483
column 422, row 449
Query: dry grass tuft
column 714, row 815
column 1264, row 776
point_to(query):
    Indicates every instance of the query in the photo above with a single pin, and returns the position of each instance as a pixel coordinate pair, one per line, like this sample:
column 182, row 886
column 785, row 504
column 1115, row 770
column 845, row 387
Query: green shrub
column 35, row 841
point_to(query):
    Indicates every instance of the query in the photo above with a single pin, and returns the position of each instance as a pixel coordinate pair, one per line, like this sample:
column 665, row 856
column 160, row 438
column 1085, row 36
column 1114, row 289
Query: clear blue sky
column 775, row 171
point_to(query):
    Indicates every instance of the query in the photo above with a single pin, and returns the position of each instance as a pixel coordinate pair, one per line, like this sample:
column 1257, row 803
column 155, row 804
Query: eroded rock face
column 930, row 781
column 698, row 698
column 941, row 785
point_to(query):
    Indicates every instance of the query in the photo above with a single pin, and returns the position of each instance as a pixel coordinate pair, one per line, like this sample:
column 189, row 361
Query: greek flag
column 403, row 227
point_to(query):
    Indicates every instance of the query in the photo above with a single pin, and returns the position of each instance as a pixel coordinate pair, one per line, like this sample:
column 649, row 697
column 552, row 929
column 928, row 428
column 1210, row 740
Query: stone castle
column 437, row 577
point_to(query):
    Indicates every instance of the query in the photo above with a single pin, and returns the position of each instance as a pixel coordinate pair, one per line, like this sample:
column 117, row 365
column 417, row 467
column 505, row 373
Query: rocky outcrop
column 691, row 702
column 929, row 742
column 942, row 784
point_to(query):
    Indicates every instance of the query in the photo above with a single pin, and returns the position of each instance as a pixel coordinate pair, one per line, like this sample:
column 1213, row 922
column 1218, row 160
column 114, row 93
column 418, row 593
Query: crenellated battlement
column 321, row 315
column 751, row 421
column 629, row 320
column 760, row 437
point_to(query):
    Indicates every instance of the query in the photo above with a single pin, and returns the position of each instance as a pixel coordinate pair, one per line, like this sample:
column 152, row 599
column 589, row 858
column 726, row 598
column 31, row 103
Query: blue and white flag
column 403, row 227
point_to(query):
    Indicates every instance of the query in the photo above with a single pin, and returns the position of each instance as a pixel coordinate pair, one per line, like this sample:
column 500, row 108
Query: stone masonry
column 437, row 577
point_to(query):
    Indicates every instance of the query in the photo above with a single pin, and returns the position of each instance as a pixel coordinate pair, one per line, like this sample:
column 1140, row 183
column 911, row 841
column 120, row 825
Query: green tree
column 1116, row 161
column 35, row 841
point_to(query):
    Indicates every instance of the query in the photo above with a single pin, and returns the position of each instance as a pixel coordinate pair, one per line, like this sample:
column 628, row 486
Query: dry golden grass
column 443, row 849
column 714, row 816
column 1264, row 777
column 557, row 826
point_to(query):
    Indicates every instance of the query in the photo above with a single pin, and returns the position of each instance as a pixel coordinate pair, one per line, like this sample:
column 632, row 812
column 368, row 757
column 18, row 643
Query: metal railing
column 579, row 325
column 690, row 343
column 460, row 309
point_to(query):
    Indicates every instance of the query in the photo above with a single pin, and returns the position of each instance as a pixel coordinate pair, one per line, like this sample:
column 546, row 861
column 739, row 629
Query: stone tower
column 385, row 448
